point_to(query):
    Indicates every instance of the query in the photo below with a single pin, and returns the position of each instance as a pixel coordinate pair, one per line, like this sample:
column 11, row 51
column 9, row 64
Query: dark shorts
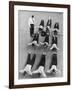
column 31, row 61
column 54, row 60
column 31, row 29
column 42, row 61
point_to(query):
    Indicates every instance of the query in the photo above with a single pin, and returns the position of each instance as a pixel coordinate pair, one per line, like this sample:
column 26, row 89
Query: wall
column 4, row 45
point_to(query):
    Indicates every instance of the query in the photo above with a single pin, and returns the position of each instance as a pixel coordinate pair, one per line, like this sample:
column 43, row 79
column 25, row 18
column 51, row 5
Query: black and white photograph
column 40, row 50
column 40, row 44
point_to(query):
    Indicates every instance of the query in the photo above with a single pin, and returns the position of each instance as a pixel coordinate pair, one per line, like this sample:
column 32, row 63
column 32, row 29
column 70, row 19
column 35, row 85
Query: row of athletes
column 45, row 33
column 41, row 67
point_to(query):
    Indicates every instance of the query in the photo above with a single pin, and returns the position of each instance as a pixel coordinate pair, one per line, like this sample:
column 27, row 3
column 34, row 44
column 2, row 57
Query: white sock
column 41, row 70
column 28, row 69
column 21, row 71
column 30, row 43
column 36, row 71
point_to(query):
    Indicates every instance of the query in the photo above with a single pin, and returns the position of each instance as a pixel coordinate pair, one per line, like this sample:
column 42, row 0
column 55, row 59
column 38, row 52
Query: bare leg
column 57, row 70
column 41, row 43
column 31, row 43
column 36, row 71
column 54, row 68
column 50, row 70
column 35, row 43
column 27, row 69
column 54, row 46
column 40, row 70
column 22, row 71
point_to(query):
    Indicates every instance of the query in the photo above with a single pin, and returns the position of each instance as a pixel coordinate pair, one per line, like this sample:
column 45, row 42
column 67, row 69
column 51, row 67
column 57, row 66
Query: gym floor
column 24, row 38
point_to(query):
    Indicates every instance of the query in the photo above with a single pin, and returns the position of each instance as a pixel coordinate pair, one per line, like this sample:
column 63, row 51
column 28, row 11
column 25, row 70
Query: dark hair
column 56, row 25
column 32, row 16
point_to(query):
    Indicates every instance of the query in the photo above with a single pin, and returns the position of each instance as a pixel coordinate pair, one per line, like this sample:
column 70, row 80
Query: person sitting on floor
column 53, row 66
column 54, row 42
column 29, row 64
column 35, row 41
column 41, row 66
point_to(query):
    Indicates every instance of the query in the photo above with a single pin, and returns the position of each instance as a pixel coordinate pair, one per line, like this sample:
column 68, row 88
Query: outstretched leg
column 41, row 66
column 54, row 69
column 33, row 43
column 51, row 69
column 27, row 69
column 54, row 46
column 28, row 66
column 40, row 70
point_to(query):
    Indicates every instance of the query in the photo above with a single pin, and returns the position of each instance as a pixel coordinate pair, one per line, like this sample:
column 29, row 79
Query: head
column 32, row 16
column 56, row 26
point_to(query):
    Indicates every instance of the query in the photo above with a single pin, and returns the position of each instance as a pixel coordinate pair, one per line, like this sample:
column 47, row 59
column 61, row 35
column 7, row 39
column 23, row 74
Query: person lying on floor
column 48, row 26
column 54, row 42
column 49, row 23
column 41, row 26
column 35, row 41
column 41, row 66
column 29, row 64
column 45, row 43
column 41, row 29
column 53, row 66
column 56, row 28
column 46, row 40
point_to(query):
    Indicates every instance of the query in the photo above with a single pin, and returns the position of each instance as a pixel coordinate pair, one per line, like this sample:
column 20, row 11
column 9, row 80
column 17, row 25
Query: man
column 35, row 41
column 29, row 64
column 41, row 66
column 54, row 42
column 31, row 25
column 53, row 66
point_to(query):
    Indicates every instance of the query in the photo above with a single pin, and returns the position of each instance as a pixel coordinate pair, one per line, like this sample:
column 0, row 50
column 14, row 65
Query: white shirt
column 31, row 21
